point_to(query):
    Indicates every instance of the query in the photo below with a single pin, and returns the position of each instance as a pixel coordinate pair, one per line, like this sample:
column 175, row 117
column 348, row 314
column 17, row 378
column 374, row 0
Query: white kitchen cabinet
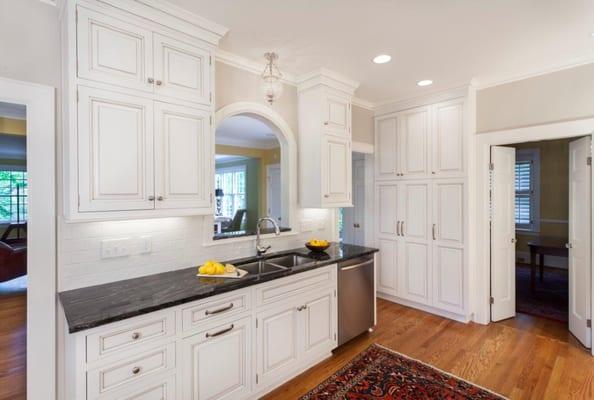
column 182, row 71
column 216, row 362
column 413, row 143
column 182, row 157
column 386, row 148
column 387, row 202
column 319, row 322
column 388, row 269
column 115, row 151
column 325, row 154
column 448, row 139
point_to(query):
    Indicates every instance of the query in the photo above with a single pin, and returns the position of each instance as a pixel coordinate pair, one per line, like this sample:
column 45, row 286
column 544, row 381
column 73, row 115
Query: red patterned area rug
column 380, row 373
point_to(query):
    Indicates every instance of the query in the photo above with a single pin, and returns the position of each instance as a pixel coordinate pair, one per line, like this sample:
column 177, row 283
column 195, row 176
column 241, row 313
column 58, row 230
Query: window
column 528, row 190
column 232, row 180
column 13, row 196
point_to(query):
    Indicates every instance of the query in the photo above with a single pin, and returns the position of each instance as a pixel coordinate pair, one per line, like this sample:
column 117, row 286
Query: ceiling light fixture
column 272, row 87
column 382, row 59
column 425, row 82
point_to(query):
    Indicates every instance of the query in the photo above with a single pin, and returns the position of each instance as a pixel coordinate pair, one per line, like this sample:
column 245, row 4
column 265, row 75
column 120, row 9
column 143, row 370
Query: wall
column 362, row 125
column 179, row 242
column 558, row 96
column 554, row 190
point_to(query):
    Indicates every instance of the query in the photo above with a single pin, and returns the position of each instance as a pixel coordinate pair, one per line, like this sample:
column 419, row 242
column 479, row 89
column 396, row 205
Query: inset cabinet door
column 387, row 271
column 216, row 363
column 387, row 205
column 337, row 115
column 336, row 170
column 448, row 139
column 182, row 71
column 115, row 151
column 182, row 157
column 319, row 323
column 414, row 143
column 386, row 148
column 113, row 51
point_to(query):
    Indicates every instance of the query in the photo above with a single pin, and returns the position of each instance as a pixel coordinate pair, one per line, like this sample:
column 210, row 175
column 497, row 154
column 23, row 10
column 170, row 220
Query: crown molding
column 362, row 103
column 246, row 64
column 326, row 77
column 389, row 107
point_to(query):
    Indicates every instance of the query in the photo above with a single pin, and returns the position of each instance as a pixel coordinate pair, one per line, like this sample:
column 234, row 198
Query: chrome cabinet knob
column 136, row 370
column 150, row 80
column 151, row 198
column 160, row 198
column 136, row 336
column 158, row 82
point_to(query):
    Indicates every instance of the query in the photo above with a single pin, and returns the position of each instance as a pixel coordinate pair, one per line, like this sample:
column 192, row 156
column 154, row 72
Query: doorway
column 541, row 238
column 352, row 219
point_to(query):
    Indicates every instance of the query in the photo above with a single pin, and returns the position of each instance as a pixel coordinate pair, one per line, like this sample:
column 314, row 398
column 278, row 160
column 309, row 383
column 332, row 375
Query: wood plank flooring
column 522, row 358
column 13, row 346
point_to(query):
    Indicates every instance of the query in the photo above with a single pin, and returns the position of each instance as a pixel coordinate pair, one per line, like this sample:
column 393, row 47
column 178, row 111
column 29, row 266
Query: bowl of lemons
column 212, row 268
column 317, row 245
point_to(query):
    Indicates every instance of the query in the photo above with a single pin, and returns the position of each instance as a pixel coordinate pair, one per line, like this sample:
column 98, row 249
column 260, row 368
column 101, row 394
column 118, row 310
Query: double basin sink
column 274, row 264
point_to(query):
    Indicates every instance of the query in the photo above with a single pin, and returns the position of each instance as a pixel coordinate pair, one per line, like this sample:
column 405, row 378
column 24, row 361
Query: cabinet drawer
column 295, row 285
column 120, row 374
column 155, row 388
column 128, row 336
column 215, row 310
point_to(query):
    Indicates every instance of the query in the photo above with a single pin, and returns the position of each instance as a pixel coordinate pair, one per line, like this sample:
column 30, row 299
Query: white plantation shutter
column 527, row 174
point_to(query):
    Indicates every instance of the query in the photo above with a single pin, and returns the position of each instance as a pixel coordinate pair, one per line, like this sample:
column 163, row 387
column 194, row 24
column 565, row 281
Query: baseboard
column 549, row 261
column 432, row 310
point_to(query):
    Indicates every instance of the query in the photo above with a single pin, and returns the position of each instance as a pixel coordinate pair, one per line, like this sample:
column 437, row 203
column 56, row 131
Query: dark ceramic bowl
column 317, row 249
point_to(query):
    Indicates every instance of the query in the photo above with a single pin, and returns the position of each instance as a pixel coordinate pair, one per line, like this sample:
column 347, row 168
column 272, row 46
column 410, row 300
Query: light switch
column 146, row 244
column 112, row 248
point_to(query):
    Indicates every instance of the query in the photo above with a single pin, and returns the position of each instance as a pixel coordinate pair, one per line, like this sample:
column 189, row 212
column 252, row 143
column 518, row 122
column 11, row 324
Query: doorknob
column 513, row 240
column 356, row 225
column 568, row 246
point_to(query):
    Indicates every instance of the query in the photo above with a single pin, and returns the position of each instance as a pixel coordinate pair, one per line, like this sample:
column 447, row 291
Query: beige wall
column 554, row 189
column 558, row 96
column 363, row 126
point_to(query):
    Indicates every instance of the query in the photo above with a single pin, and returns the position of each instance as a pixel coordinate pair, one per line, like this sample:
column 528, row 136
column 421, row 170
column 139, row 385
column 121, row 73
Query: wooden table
column 544, row 246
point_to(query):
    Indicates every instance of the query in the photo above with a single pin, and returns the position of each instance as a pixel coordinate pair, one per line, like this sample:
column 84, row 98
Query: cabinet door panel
column 448, row 139
column 416, row 211
column 448, row 287
column 387, row 208
column 115, row 151
column 416, row 282
column 336, row 170
column 388, row 266
column 113, row 51
column 216, row 363
column 182, row 157
column 182, row 71
column 277, row 343
column 448, row 212
column 337, row 115
column 414, row 138
column 386, row 148
column 319, row 324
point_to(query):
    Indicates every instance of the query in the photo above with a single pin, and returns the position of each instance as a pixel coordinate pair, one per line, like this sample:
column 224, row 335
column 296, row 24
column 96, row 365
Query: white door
column 580, row 240
column 336, row 171
column 416, row 255
column 114, row 51
column 216, row 363
column 277, row 342
column 386, row 148
column 503, row 233
column 354, row 217
column 273, row 192
column 115, row 151
column 448, row 139
column 318, row 324
column 182, row 157
column 414, row 143
column 182, row 71
column 337, row 115
column 447, row 233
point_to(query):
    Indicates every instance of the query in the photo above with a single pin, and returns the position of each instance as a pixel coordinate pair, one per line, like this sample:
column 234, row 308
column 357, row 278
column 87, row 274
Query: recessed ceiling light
column 425, row 82
column 382, row 59
column 592, row 34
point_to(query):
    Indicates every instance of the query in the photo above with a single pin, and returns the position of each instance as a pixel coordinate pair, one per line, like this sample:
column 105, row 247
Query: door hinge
column 209, row 60
column 491, row 300
column 334, row 292
column 210, row 97
column 256, row 323
column 491, row 166
column 210, row 119
column 589, row 161
column 589, row 323
column 256, row 378
column 335, row 336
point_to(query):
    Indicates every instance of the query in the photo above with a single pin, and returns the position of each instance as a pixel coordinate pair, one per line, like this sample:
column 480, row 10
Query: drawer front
column 120, row 374
column 196, row 316
column 152, row 389
column 295, row 285
column 128, row 336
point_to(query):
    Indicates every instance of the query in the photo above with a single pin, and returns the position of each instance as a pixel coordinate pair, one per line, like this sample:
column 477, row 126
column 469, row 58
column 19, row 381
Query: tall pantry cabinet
column 421, row 192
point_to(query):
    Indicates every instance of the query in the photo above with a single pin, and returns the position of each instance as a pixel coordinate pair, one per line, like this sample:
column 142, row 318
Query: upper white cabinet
column 138, row 138
column 325, row 158
column 422, row 142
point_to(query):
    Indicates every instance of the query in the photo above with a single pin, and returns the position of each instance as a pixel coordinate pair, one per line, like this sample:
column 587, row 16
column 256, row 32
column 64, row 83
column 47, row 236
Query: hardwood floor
column 13, row 345
column 522, row 358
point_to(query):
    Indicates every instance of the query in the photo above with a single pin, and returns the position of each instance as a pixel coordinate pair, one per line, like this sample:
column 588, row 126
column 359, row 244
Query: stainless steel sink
column 261, row 267
column 289, row 260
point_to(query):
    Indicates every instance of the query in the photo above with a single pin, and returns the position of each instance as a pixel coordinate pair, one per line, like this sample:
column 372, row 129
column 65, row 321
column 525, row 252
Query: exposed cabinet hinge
column 334, row 292
column 492, row 300
column 210, row 97
column 209, row 60
column 589, row 323
column 335, row 336
column 210, row 119
column 589, row 161
column 256, row 378
column 491, row 166
column 256, row 322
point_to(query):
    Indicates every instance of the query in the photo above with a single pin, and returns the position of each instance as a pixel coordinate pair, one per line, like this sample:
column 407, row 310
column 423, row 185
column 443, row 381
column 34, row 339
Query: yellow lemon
column 209, row 269
column 230, row 268
column 219, row 269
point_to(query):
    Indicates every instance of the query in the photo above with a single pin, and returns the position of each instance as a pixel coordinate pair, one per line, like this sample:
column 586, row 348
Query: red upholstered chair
column 13, row 261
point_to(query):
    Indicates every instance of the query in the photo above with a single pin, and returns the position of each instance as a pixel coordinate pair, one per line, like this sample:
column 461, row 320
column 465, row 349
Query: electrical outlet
column 113, row 248
column 146, row 244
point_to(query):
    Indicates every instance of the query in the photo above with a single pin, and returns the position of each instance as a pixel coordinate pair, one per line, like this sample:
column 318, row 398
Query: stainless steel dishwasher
column 356, row 298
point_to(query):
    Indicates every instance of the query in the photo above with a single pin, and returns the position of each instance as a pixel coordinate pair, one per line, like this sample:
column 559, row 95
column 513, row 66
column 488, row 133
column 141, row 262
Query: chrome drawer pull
column 136, row 336
column 135, row 370
column 220, row 310
column 219, row 333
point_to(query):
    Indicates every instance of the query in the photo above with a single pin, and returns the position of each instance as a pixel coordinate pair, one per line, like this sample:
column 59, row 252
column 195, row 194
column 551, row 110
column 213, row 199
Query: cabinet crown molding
column 326, row 77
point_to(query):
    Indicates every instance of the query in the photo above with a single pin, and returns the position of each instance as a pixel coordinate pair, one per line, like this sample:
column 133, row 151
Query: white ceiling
column 246, row 131
column 450, row 42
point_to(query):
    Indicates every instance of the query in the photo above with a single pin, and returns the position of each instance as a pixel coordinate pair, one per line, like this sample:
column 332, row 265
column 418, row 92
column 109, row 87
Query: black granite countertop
column 94, row 306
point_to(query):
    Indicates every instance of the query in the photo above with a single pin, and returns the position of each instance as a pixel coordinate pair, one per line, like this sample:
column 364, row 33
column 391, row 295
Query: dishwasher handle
column 356, row 265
